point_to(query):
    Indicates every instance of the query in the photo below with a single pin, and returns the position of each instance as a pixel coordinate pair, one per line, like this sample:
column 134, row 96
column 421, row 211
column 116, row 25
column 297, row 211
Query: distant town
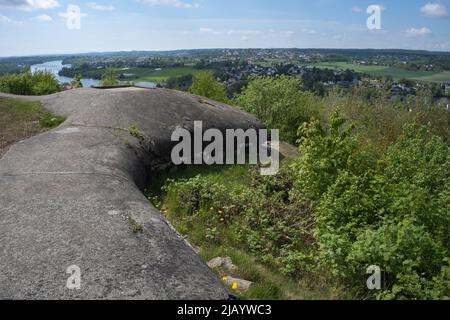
column 402, row 73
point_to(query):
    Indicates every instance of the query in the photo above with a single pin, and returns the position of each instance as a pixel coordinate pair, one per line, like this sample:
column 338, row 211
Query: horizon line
column 199, row 49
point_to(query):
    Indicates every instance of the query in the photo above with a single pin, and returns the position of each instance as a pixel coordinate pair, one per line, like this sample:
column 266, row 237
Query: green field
column 383, row 71
column 152, row 75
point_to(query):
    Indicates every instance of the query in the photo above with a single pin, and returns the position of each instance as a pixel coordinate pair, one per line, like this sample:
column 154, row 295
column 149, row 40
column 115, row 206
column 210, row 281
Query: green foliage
column 134, row 131
column 280, row 104
column 28, row 83
column 76, row 82
column 205, row 85
column 390, row 211
column 251, row 211
column 340, row 208
column 49, row 120
column 109, row 78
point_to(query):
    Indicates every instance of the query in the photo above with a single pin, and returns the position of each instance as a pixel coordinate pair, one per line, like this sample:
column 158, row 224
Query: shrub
column 109, row 78
column 391, row 212
column 76, row 82
column 28, row 83
column 254, row 213
column 280, row 104
column 205, row 85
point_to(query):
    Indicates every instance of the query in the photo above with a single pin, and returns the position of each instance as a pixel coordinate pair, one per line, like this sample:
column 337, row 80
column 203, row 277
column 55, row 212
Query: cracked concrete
column 66, row 196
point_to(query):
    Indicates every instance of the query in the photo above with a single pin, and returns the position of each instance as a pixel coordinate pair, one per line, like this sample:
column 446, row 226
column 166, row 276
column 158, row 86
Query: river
column 56, row 66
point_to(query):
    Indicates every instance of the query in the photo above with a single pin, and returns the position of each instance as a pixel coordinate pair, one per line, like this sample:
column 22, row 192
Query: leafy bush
column 28, row 83
column 251, row 211
column 391, row 212
column 205, row 85
column 109, row 78
column 76, row 82
column 280, row 104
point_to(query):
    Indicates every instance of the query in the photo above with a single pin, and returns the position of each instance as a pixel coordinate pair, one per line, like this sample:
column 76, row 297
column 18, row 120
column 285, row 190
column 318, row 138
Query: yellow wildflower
column 234, row 286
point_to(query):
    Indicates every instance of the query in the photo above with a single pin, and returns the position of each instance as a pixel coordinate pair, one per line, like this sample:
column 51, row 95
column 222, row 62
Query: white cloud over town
column 100, row 7
column 413, row 32
column 171, row 3
column 29, row 4
column 434, row 10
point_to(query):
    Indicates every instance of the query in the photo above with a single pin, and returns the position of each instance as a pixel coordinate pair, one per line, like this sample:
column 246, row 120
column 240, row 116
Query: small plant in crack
column 135, row 226
column 134, row 131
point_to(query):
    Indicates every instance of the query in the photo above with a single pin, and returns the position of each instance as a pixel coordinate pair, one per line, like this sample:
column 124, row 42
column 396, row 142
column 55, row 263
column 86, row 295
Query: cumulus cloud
column 171, row 3
column 413, row 32
column 434, row 10
column 29, row 4
column 100, row 7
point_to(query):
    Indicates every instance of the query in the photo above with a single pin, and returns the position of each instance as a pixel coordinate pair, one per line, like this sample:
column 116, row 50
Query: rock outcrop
column 72, row 197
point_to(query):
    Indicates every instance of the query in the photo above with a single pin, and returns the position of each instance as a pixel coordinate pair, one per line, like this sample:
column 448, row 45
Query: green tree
column 28, row 83
column 280, row 104
column 76, row 82
column 205, row 85
column 109, row 78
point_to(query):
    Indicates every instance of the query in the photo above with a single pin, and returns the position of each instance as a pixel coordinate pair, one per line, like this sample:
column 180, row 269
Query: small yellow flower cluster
column 220, row 212
column 234, row 285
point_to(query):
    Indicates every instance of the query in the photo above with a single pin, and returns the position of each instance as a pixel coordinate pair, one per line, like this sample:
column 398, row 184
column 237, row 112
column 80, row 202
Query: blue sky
column 39, row 26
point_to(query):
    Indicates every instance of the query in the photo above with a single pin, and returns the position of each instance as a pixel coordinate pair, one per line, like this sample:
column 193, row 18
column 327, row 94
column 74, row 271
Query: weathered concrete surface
column 66, row 197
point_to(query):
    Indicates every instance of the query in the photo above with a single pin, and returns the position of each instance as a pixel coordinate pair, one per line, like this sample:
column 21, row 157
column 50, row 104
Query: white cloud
column 6, row 20
column 231, row 32
column 413, row 32
column 308, row 31
column 44, row 18
column 206, row 30
column 290, row 33
column 29, row 4
column 434, row 10
column 100, row 7
column 171, row 3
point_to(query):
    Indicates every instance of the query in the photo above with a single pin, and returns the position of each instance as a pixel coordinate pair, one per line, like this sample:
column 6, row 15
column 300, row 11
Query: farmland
column 384, row 71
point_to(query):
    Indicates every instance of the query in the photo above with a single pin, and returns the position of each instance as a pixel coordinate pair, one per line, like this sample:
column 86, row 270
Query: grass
column 384, row 71
column 22, row 119
column 268, row 283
